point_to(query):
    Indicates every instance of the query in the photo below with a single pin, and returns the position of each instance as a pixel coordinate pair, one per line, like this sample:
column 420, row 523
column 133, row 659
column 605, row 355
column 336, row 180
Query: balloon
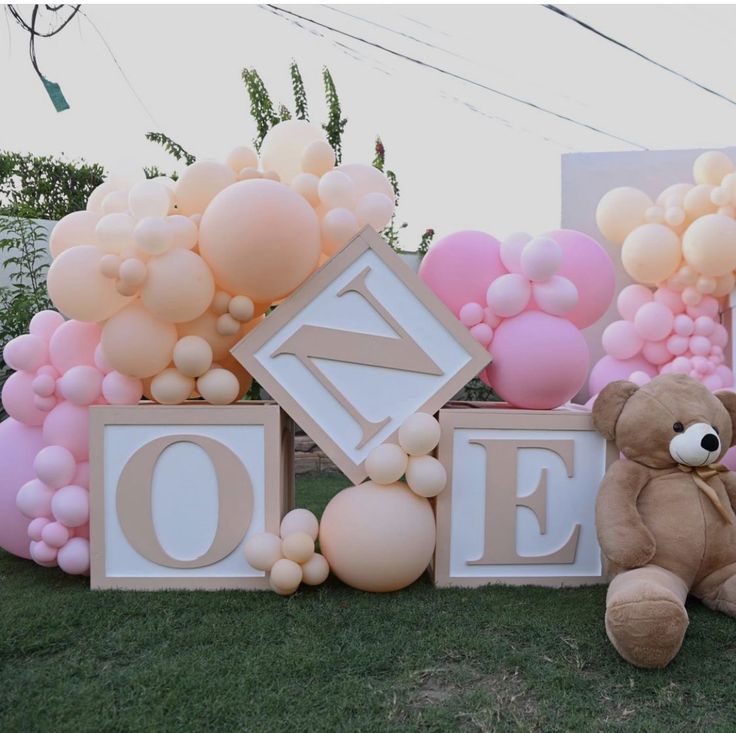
column 18, row 399
column 34, row 499
column 609, row 369
column 378, row 538
column 697, row 202
column 677, row 345
column 374, row 209
column 419, row 434
column 55, row 466
column 94, row 202
column 286, row 575
column 170, row 387
column 318, row 158
column 219, row 387
column 706, row 306
column 471, row 314
column 557, row 295
column 339, row 226
column 119, row 389
column 367, row 179
column 511, row 249
column 482, row 333
column 386, row 463
column 184, row 232
column 674, row 195
column 261, row 239
column 199, row 184
column 307, row 185
column 656, row 352
column 297, row 547
column 651, row 253
column 206, row 327
column 179, row 286
column 262, row 550
column 300, row 520
column 620, row 211
column 78, row 288
column 631, row 298
column 67, row 425
column 73, row 558
column 426, row 476
column 114, row 232
column 587, row 265
column 133, row 271
column 709, row 244
column 315, row 570
column 149, row 198
column 116, row 202
column 154, row 235
column 70, row 505
column 521, row 345
column 44, row 323
column 55, row 534
column 284, row 146
column 541, row 258
column 669, row 298
column 242, row 157
column 19, row 445
column 42, row 554
column 72, row 230
column 621, row 340
column 81, row 385
column 192, row 356
column 336, row 189
column 711, row 167
column 509, row 295
column 653, row 321
column 74, row 344
column 26, row 352
column 138, row 344
column 460, row 266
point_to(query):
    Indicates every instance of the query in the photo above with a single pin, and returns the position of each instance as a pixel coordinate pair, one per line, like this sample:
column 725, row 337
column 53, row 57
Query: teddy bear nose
column 710, row 442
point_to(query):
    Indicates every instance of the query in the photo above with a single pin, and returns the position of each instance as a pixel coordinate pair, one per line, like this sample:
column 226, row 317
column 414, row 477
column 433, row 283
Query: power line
column 620, row 44
column 446, row 72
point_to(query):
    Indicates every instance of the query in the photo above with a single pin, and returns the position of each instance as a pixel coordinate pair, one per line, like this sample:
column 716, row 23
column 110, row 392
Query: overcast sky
column 466, row 157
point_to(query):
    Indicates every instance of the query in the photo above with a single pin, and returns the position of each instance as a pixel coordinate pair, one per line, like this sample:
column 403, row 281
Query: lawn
column 335, row 659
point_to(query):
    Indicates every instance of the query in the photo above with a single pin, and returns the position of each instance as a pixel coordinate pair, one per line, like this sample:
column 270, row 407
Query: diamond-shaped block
column 359, row 347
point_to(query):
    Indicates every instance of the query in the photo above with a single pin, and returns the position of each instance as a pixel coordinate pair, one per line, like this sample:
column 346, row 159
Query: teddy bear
column 664, row 511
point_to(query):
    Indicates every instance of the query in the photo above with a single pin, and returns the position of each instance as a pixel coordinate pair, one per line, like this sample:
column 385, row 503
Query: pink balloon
column 43, row 554
column 631, row 298
column 81, row 476
column 26, row 352
column 719, row 337
column 35, row 530
column 653, row 321
column 521, row 344
column 44, row 385
column 621, row 340
column 120, row 389
column 55, row 534
column 73, row 558
column 556, row 296
column 68, row 425
column 509, row 295
column 44, row 323
column 712, row 382
column 461, row 266
column 511, row 249
column 677, row 345
column 609, row 370
column 74, row 344
column 19, row 445
column 670, row 298
column 683, row 325
column 726, row 376
column 55, row 466
column 708, row 306
column 34, row 499
column 656, row 352
column 471, row 314
column 704, row 326
column 18, row 399
column 540, row 259
column 70, row 505
column 81, row 385
column 100, row 361
column 682, row 365
column 482, row 333
column 639, row 378
column 699, row 345
column 591, row 270
column 490, row 318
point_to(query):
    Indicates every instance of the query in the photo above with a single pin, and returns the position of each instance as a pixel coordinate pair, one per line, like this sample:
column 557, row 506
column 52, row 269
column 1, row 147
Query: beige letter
column 502, row 501
column 134, row 495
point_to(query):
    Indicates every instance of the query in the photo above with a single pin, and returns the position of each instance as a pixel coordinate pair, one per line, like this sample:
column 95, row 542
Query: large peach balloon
column 179, row 286
column 72, row 230
column 78, row 288
column 651, row 253
column 137, row 343
column 709, row 244
column 284, row 146
column 378, row 538
column 367, row 179
column 711, row 167
column 260, row 238
column 620, row 211
column 206, row 327
column 199, row 184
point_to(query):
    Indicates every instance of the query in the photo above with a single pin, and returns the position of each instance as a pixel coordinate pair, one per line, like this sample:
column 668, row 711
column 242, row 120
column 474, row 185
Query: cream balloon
column 115, row 202
column 367, row 179
column 286, row 575
column 318, row 158
column 426, row 476
column 374, row 209
column 419, row 434
column 219, row 387
column 300, row 520
column 79, row 289
column 227, row 325
column 200, row 183
column 241, row 308
column 674, row 195
column 339, row 226
column 132, row 271
column 179, row 286
column 192, row 356
column 110, row 265
column 697, row 202
column 307, row 185
column 184, row 231
column 712, row 167
column 298, row 546
column 171, row 387
column 242, row 157
column 284, row 145
column 651, row 253
column 72, row 230
column 709, row 245
column 337, row 190
column 137, row 343
column 153, row 235
column 94, row 202
column 114, row 232
column 386, row 463
column 232, row 365
column 263, row 550
column 261, row 239
column 620, row 211
column 315, row 570
column 221, row 302
column 149, row 198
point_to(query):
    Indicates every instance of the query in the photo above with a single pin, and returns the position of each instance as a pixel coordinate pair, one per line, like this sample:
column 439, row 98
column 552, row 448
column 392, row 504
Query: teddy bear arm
column 729, row 481
column 623, row 536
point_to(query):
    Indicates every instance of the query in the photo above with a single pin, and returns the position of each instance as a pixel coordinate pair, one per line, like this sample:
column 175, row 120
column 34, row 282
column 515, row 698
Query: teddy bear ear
column 609, row 404
column 728, row 400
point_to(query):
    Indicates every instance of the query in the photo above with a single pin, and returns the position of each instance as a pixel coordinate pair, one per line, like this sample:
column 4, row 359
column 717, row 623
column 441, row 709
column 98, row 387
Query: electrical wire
column 280, row 11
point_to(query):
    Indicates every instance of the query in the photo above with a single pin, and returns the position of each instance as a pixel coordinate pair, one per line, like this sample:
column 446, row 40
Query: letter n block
column 177, row 490
column 519, row 507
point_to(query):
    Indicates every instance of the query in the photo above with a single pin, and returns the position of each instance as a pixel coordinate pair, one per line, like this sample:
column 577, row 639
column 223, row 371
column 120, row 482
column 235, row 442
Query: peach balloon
column 285, row 144
column 115, row 202
column 171, row 387
column 132, row 271
column 307, row 185
column 709, row 245
column 114, row 232
column 367, row 179
column 298, row 546
column 374, row 209
column 315, row 570
column 261, row 239
column 227, row 325
column 72, row 230
column 286, row 575
column 94, row 202
column 241, row 308
column 336, row 189
column 219, row 386
column 712, row 167
column 149, row 198
column 184, row 231
column 153, row 235
column 221, row 302
column 386, row 463
column 235, row 367
column 621, row 211
column 263, row 550
column 300, row 520
column 192, row 356
column 318, row 158
column 206, row 327
column 674, row 195
column 78, row 288
column 697, row 202
column 426, row 476
column 137, row 343
column 242, row 157
column 651, row 253
column 378, row 538
column 339, row 226
column 200, row 183
column 419, row 434
column 179, row 286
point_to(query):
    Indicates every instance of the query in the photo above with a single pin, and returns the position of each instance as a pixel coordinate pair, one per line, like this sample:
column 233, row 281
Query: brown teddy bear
column 664, row 514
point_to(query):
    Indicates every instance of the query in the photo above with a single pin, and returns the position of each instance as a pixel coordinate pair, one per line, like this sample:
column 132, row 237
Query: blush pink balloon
column 67, row 425
column 34, row 499
column 521, row 344
column 704, row 326
column 73, row 558
column 81, row 476
column 656, row 352
column 35, row 529
column 700, row 345
column 100, row 361
column 19, row 445
column 719, row 337
column 461, row 266
column 70, row 505
column 708, row 306
column 18, row 399
column 511, row 250
column 44, row 323
column 540, row 259
column 120, row 389
column 681, row 365
column 471, row 314
column 26, row 352
column 653, row 321
column 74, row 344
column 683, row 325
column 55, row 466
column 556, row 295
column 631, row 298
column 43, row 554
column 482, row 333
column 621, row 340
column 509, row 295
column 712, row 382
column 609, row 370
column 55, row 534
column 591, row 270
column 81, row 385
column 677, row 345
column 670, row 298
column 726, row 376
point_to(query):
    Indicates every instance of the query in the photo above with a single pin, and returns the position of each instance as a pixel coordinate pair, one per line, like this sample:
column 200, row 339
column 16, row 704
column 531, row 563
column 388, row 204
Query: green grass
column 335, row 659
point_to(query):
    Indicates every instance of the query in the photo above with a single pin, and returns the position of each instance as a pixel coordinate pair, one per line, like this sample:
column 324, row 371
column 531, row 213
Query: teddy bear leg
column 646, row 618
column 718, row 590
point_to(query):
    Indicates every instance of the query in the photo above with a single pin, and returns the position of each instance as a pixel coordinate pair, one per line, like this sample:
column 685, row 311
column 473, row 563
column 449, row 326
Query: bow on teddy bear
column 664, row 513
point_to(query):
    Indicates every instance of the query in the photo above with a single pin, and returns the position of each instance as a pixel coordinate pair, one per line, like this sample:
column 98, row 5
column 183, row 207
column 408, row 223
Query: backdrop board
column 519, row 507
column 586, row 177
column 177, row 490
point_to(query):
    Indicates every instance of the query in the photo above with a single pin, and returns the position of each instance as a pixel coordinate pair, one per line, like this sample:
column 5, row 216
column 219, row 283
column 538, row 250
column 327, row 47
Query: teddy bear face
column 671, row 420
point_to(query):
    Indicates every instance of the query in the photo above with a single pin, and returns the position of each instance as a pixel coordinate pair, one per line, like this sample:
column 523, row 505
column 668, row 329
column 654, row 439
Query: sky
column 434, row 81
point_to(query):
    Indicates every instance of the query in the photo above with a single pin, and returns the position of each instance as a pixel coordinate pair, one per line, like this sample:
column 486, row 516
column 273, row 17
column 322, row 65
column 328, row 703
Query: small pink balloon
column 490, row 318
column 35, row 528
column 100, row 361
column 73, row 558
column 482, row 333
column 44, row 385
column 55, row 534
column 120, row 389
column 726, row 376
column 681, row 365
column 656, row 352
column 55, row 466
column 556, row 295
column 34, row 499
column 27, row 352
column 683, row 325
column 44, row 323
column 639, row 378
column 677, row 345
column 43, row 554
column 631, row 298
column 509, row 295
column 608, row 370
column 704, row 326
column 653, row 321
column 81, row 475
column 712, row 382
column 719, row 337
column 511, row 250
column 471, row 314
column 540, row 259
column 671, row 298
column 45, row 404
column 68, row 425
column 74, row 344
column 707, row 306
column 18, row 399
column 621, row 340
column 82, row 385
column 699, row 345
column 70, row 505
